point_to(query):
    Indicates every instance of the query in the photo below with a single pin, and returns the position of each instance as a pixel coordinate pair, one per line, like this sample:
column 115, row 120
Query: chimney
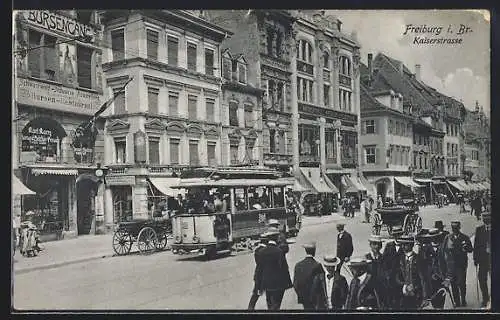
column 370, row 66
column 417, row 72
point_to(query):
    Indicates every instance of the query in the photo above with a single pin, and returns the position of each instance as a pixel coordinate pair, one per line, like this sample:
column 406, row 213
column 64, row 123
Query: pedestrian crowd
column 409, row 272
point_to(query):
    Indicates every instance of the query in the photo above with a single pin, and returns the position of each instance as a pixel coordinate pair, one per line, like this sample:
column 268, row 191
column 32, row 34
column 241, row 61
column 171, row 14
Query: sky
column 461, row 70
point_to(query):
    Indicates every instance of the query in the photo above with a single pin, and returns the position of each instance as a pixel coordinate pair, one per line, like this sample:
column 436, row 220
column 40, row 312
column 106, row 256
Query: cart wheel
column 122, row 242
column 418, row 225
column 146, row 240
column 161, row 244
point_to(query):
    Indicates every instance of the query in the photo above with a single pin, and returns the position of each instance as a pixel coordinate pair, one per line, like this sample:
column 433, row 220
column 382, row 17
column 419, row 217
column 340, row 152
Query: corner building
column 169, row 117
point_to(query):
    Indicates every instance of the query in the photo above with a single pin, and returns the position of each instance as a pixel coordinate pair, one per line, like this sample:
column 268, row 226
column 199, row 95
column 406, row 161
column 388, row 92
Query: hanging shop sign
column 60, row 24
column 56, row 97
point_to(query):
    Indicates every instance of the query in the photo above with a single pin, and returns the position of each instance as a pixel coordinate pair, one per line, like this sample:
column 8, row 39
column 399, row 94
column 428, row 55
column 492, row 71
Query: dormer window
column 227, row 65
column 242, row 73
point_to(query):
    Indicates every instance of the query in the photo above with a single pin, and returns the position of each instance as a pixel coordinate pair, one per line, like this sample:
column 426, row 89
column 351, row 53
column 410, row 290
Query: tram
column 230, row 207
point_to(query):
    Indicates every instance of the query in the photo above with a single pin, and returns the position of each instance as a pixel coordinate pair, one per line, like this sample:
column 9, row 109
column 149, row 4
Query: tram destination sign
column 327, row 113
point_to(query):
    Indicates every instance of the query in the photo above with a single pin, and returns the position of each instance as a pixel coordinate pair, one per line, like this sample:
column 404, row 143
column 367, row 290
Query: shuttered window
column 173, row 102
column 35, row 39
column 84, row 61
column 191, row 56
column 193, row 153
column 152, row 47
column 209, row 62
column 153, row 100
column 154, row 150
column 192, row 112
column 174, row 151
column 173, row 50
column 211, row 154
column 210, row 106
column 118, row 44
column 51, row 57
column 119, row 102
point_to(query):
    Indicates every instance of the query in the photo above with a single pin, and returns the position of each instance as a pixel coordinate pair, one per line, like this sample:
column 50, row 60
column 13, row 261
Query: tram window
column 278, row 197
column 241, row 203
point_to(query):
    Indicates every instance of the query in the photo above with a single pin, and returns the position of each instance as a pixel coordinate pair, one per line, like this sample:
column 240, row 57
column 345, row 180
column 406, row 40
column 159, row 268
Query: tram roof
column 204, row 182
column 233, row 173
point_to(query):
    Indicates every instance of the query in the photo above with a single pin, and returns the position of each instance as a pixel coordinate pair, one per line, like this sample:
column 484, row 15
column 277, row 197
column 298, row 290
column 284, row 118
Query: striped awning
column 165, row 185
column 353, row 184
column 407, row 181
column 54, row 171
column 320, row 183
column 457, row 185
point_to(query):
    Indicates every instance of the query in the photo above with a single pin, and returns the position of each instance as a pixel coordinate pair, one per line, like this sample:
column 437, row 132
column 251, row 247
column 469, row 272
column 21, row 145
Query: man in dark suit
column 376, row 268
column 391, row 258
column 411, row 277
column 344, row 245
column 282, row 243
column 482, row 255
column 329, row 288
column 363, row 293
column 272, row 274
column 440, row 226
column 303, row 276
column 255, row 292
column 459, row 246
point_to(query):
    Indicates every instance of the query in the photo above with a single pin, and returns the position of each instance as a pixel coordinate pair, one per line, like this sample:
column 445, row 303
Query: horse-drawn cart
column 150, row 235
column 404, row 216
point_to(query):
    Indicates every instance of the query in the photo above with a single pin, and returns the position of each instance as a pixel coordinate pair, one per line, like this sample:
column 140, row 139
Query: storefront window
column 330, row 145
column 308, row 135
column 41, row 141
column 122, row 204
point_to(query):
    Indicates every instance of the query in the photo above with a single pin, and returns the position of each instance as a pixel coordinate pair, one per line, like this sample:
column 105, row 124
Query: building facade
column 477, row 161
column 326, row 116
column 169, row 116
column 58, row 86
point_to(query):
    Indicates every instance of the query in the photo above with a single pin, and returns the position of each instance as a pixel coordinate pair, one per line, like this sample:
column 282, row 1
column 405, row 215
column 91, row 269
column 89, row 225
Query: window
column 326, row 95
column 173, row 102
column 192, row 106
column 118, row 44
column 370, row 155
column 345, row 98
column 326, row 61
column 153, row 100
column 305, row 90
column 120, row 150
column 241, row 201
column 209, row 62
column 228, row 68
column 152, row 44
column 249, row 117
column 233, row 114
column 330, row 145
column 191, row 56
column 305, row 51
column 174, row 151
column 212, row 161
column 448, row 149
column 233, row 153
column 242, row 73
column 51, row 55
column 173, row 50
column 370, row 126
column 210, row 104
column 279, row 43
column 154, row 150
column 84, row 69
column 269, row 40
column 308, row 136
column 278, row 197
column 193, row 153
column 447, row 129
column 34, row 40
column 391, row 127
column 403, row 129
column 345, row 66
column 119, row 102
column 272, row 141
column 425, row 162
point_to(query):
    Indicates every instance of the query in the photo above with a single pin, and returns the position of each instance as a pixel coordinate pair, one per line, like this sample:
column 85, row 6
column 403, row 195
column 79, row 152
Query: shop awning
column 353, row 184
column 54, row 171
column 407, row 181
column 371, row 190
column 165, row 185
column 298, row 187
column 457, row 185
column 486, row 185
column 320, row 183
column 423, row 180
column 202, row 182
column 18, row 188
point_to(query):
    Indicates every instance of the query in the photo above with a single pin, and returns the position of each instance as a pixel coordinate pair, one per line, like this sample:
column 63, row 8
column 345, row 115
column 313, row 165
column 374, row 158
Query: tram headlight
column 196, row 239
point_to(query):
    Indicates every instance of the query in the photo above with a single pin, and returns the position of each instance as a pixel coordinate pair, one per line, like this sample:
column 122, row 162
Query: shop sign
column 120, row 180
column 327, row 113
column 36, row 137
column 58, row 23
column 56, row 97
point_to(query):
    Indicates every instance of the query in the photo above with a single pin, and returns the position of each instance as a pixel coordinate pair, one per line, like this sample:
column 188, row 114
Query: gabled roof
column 240, row 58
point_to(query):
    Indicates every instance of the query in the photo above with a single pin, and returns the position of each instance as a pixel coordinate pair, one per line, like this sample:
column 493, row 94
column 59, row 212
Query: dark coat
column 282, row 244
column 414, row 273
column 367, row 296
column 303, row 277
column 459, row 245
column 376, row 267
column 272, row 269
column 482, row 240
column 438, row 266
column 256, row 252
column 391, row 259
column 344, row 246
column 319, row 295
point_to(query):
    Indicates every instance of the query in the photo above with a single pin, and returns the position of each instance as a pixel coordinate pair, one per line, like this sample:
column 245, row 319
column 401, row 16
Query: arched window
column 326, row 60
column 345, row 66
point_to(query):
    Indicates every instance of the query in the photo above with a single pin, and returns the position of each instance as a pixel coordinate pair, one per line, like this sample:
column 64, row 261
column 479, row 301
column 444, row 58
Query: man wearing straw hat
column 377, row 268
column 303, row 276
column 329, row 288
column 363, row 293
column 411, row 277
column 482, row 256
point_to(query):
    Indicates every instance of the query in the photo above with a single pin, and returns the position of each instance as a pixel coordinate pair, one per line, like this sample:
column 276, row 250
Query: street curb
column 60, row 264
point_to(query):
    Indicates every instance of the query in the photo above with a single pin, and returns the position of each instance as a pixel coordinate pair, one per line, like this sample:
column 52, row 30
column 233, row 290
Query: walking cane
column 477, row 284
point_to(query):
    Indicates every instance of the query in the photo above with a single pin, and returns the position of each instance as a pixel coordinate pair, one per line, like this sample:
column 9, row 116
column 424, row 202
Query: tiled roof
column 368, row 102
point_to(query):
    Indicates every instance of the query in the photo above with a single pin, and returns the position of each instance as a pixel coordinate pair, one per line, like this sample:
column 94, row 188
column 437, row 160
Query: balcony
column 345, row 80
column 277, row 159
column 309, row 158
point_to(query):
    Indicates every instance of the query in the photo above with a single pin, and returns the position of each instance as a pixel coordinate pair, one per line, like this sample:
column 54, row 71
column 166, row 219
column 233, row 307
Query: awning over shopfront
column 295, row 184
column 486, row 185
column 457, row 185
column 407, row 181
column 320, row 183
column 371, row 190
column 423, row 180
column 54, row 171
column 165, row 185
column 18, row 188
column 353, row 184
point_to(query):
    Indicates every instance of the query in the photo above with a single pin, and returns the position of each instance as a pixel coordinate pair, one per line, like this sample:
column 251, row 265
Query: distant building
column 478, row 144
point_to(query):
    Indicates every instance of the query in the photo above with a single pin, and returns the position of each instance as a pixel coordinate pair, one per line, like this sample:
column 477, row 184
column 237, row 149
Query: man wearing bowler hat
column 363, row 293
column 440, row 226
column 482, row 255
column 391, row 258
column 459, row 245
column 411, row 277
column 344, row 244
column 272, row 274
column 303, row 276
column 282, row 244
column 329, row 288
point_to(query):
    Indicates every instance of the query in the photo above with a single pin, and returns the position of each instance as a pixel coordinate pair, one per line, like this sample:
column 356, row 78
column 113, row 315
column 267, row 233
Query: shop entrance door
column 85, row 191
